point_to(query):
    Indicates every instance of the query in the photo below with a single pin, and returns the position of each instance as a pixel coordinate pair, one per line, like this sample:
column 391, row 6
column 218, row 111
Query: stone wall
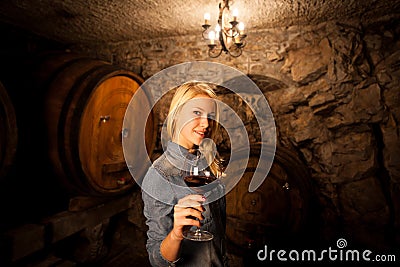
column 335, row 94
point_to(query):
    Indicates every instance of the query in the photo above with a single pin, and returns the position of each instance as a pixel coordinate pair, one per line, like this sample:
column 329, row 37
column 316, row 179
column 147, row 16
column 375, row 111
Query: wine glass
column 200, row 182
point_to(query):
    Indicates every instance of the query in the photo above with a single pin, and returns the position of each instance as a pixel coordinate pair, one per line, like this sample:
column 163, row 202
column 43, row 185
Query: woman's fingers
column 190, row 201
column 187, row 212
column 190, row 204
column 184, row 217
column 193, row 197
column 189, row 221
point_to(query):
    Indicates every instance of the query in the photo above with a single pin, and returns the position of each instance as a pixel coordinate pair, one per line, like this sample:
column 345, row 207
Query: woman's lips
column 201, row 134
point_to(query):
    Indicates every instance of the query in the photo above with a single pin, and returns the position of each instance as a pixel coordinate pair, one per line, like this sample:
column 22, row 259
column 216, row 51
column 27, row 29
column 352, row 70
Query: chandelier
column 228, row 35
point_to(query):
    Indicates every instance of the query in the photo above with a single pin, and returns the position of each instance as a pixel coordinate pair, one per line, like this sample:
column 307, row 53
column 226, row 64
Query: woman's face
column 193, row 120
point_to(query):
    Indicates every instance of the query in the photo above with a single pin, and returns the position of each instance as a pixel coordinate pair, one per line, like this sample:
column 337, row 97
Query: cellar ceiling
column 98, row 21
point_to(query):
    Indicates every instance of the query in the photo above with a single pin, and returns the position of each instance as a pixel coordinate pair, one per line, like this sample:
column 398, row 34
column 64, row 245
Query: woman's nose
column 204, row 121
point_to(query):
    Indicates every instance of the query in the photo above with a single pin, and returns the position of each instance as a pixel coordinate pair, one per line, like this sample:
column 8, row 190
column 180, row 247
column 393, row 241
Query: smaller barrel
column 277, row 212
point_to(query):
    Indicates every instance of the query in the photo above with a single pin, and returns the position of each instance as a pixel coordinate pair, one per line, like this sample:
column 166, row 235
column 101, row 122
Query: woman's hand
column 186, row 211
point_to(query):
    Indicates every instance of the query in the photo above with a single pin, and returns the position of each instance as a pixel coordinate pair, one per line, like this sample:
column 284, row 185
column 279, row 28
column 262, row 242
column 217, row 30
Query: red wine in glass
column 200, row 184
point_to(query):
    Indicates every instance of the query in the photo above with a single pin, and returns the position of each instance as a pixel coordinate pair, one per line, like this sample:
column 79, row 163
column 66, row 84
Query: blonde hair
column 183, row 94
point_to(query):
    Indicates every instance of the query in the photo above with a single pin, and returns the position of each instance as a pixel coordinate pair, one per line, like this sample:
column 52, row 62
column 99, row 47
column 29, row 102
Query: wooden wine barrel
column 84, row 104
column 8, row 133
column 277, row 212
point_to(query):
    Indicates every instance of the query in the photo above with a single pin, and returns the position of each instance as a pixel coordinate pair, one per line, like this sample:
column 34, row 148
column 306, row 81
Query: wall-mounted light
column 228, row 35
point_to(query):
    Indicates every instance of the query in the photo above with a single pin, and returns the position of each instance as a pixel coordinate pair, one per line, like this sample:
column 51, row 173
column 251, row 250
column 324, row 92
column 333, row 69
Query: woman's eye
column 198, row 113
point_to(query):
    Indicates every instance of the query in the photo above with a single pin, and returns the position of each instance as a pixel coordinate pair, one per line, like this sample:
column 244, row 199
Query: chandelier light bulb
column 217, row 28
column 207, row 18
column 241, row 28
column 211, row 36
column 235, row 14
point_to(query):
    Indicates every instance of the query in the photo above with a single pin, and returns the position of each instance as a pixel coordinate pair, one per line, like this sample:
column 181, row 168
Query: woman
column 169, row 205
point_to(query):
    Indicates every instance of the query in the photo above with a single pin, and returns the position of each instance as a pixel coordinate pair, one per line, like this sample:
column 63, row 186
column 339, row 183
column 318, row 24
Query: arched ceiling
column 96, row 21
